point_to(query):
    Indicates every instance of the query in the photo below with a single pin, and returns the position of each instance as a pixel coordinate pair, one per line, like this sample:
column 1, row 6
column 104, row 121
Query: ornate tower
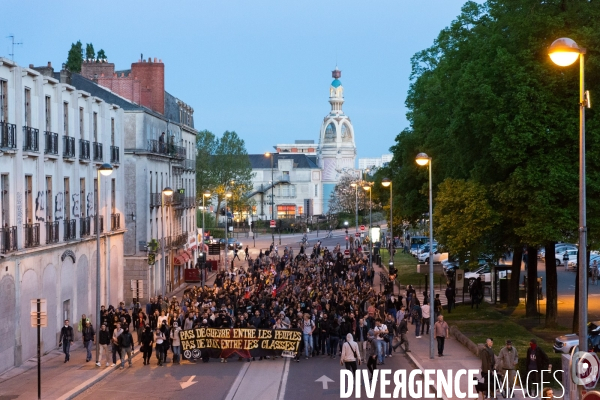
column 337, row 150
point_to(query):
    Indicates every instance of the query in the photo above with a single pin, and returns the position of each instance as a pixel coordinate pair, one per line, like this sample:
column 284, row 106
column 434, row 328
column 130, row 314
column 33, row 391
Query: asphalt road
column 279, row 379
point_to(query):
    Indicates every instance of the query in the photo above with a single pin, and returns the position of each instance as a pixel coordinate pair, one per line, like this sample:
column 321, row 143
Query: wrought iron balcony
column 155, row 199
column 8, row 239
column 8, row 135
column 171, row 150
column 52, row 232
column 85, row 225
column 100, row 223
column 32, row 235
column 51, row 143
column 84, row 149
column 189, row 165
column 68, row 146
column 31, row 139
column 114, row 155
column 97, row 151
column 179, row 241
column 70, row 230
column 115, row 222
column 178, row 198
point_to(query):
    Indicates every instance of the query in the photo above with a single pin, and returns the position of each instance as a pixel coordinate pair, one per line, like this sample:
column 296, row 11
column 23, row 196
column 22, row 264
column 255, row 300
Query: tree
column 90, row 54
column 75, row 57
column 101, row 56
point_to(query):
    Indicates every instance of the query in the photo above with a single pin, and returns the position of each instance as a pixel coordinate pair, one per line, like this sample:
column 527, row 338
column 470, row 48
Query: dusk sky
column 261, row 68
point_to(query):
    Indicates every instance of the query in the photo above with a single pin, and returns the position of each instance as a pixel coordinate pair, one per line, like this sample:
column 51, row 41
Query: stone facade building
column 53, row 138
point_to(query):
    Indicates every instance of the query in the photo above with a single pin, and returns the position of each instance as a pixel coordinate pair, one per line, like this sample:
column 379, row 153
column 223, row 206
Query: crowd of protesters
column 329, row 297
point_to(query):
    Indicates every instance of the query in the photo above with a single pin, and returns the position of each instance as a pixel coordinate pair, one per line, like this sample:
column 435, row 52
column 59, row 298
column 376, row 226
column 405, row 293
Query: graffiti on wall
column 75, row 199
column 59, row 205
column 90, row 204
column 40, row 206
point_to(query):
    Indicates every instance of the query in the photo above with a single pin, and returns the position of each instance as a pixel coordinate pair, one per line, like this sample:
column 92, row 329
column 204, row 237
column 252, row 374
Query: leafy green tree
column 75, row 57
column 90, row 54
column 101, row 56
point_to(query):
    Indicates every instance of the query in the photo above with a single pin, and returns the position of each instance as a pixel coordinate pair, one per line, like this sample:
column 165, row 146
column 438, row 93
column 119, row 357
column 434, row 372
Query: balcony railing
column 8, row 239
column 51, row 232
column 97, row 151
column 155, row 199
column 100, row 223
column 51, row 143
column 190, row 202
column 84, row 149
column 85, row 225
column 178, row 198
column 8, row 135
column 68, row 146
column 70, row 229
column 154, row 146
column 180, row 240
column 166, row 242
column 114, row 155
column 189, row 165
column 31, row 139
column 115, row 222
column 32, row 235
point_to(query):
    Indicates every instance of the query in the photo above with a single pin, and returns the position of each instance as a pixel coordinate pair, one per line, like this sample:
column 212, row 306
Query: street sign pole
column 39, row 345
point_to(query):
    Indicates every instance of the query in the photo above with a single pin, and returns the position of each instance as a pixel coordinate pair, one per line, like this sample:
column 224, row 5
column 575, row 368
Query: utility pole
column 12, row 54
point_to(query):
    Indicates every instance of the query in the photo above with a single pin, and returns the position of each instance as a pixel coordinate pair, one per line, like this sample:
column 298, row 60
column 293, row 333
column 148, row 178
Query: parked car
column 593, row 257
column 564, row 343
column 558, row 248
column 231, row 243
column 437, row 257
column 571, row 255
column 485, row 272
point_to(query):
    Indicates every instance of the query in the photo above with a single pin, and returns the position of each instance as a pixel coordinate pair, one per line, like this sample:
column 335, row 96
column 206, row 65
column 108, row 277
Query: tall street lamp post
column 167, row 192
column 205, row 195
column 564, row 52
column 227, row 195
column 105, row 169
column 355, row 186
column 270, row 155
column 388, row 182
column 367, row 188
column 423, row 159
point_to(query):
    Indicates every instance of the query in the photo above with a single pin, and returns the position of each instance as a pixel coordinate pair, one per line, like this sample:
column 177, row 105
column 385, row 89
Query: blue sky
column 261, row 67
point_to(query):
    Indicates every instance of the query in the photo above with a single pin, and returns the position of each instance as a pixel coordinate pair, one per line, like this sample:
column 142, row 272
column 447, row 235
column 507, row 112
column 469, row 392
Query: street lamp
column 367, row 188
column 564, row 52
column 355, row 186
column 423, row 159
column 270, row 155
column 205, row 195
column 227, row 195
column 166, row 192
column 105, row 169
column 385, row 182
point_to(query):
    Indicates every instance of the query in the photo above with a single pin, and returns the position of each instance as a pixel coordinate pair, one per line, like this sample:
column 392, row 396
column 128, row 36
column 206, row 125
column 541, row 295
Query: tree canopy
column 75, row 57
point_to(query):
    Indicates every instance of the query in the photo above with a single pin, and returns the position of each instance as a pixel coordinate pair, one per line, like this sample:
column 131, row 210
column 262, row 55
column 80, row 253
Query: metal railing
column 189, row 165
column 32, row 235
column 155, row 199
column 84, row 149
column 68, row 146
column 31, row 139
column 166, row 242
column 179, row 240
column 191, row 202
column 100, row 222
column 52, row 232
column 8, row 239
column 85, row 225
column 115, row 222
column 8, row 135
column 51, row 143
column 97, row 151
column 178, row 198
column 114, row 155
column 70, row 229
column 171, row 150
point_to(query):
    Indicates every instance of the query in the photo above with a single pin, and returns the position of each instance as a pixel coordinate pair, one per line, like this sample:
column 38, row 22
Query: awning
column 190, row 255
column 193, row 247
column 181, row 259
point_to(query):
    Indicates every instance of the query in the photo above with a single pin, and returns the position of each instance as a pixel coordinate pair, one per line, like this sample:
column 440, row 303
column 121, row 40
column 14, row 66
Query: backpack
column 414, row 313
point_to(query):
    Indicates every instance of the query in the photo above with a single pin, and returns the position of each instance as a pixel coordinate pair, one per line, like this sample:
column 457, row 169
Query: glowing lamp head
column 228, row 194
column 564, row 52
column 367, row 187
column 267, row 154
column 207, row 194
column 386, row 182
column 422, row 159
column 354, row 184
column 105, row 169
column 168, row 191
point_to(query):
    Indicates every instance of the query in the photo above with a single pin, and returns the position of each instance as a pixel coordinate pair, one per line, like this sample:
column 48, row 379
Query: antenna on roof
column 12, row 55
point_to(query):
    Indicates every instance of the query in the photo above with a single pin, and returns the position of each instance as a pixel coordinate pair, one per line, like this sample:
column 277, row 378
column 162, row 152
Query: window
column 28, row 199
column 82, row 198
column 316, row 190
column 3, row 101
column 48, row 114
column 286, row 211
column 113, row 196
column 112, row 131
column 27, row 107
column 95, row 127
column 300, row 210
column 67, row 200
column 49, row 198
column 81, row 122
column 66, row 118
column 5, row 200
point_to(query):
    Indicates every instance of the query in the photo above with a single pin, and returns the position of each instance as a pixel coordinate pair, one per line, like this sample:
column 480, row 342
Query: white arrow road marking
column 185, row 385
column 325, row 380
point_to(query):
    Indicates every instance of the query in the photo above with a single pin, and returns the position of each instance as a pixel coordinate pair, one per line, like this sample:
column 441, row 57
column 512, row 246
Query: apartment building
column 53, row 138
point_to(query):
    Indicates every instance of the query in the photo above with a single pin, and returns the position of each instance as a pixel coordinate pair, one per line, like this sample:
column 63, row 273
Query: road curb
column 92, row 381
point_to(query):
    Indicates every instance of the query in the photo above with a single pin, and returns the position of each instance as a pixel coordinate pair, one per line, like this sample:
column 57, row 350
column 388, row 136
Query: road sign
column 347, row 252
column 587, row 369
column 362, row 228
column 272, row 223
column 591, row 396
column 43, row 313
column 357, row 234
